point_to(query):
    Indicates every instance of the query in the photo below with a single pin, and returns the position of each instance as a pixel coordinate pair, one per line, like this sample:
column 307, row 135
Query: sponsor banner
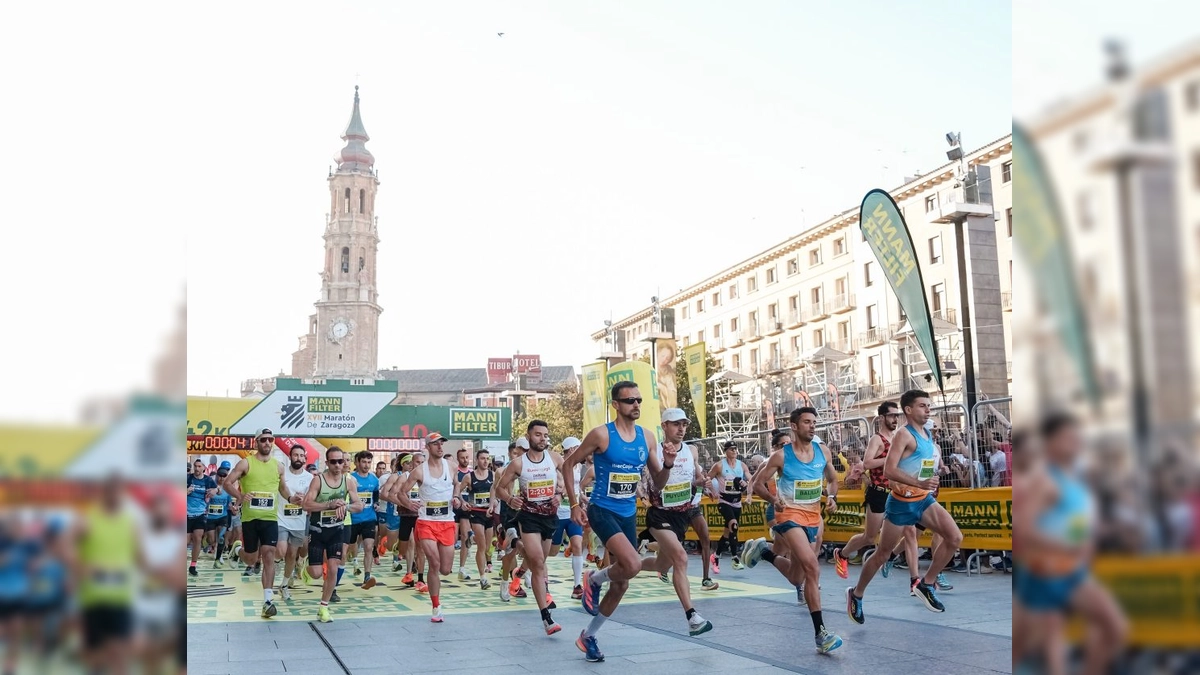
column 751, row 525
column 887, row 233
column 984, row 515
column 214, row 416
column 499, row 370
column 418, row 421
column 1160, row 597
column 643, row 376
column 595, row 395
column 696, row 359
column 475, row 423
column 665, row 369
column 313, row 413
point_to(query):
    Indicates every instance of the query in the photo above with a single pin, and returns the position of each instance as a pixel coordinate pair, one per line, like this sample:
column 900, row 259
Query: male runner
column 876, row 491
column 911, row 470
column 382, row 542
column 261, row 483
column 477, row 486
column 364, row 523
column 732, row 474
column 219, row 516
column 389, row 524
column 674, row 471
column 539, row 476
column 199, row 489
column 569, row 532
column 406, row 521
column 510, row 537
column 293, row 521
column 804, row 465
column 621, row 449
column 462, row 516
column 328, row 499
column 435, row 518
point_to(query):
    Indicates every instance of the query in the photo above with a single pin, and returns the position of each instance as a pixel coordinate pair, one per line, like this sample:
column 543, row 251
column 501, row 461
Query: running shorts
column 325, row 543
column 661, row 519
column 257, row 533
column 533, row 523
column 444, row 533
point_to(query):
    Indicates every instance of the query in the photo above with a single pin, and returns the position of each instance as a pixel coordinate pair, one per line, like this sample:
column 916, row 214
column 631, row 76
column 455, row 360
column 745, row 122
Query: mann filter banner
column 887, row 233
column 595, row 395
column 984, row 515
column 695, row 358
column 1042, row 239
column 1160, row 596
column 644, row 377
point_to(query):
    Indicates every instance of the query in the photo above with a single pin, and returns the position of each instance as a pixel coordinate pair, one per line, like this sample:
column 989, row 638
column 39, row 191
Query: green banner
column 646, row 380
column 887, row 233
column 417, row 421
column 696, row 359
column 1042, row 239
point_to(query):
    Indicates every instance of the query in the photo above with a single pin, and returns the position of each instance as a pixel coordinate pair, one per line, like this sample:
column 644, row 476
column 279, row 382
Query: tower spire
column 355, row 156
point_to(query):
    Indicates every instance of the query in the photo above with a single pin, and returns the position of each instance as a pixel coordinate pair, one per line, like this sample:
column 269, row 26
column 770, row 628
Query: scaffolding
column 948, row 337
column 829, row 380
column 738, row 409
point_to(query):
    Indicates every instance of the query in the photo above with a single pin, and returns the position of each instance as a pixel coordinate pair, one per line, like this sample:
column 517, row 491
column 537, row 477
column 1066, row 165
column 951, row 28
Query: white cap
column 570, row 443
column 522, row 442
column 673, row 415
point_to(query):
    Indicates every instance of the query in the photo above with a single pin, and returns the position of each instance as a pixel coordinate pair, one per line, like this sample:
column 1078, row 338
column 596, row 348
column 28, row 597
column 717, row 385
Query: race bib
column 807, row 491
column 482, row 499
column 329, row 518
column 588, row 491
column 262, row 501
column 433, row 509
column 109, row 578
column 622, row 485
column 540, row 490
column 366, row 498
column 216, row 510
column 291, row 511
column 676, row 494
column 926, row 469
column 414, row 493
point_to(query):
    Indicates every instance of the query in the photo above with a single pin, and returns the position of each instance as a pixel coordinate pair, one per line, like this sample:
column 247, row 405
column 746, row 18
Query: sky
column 532, row 184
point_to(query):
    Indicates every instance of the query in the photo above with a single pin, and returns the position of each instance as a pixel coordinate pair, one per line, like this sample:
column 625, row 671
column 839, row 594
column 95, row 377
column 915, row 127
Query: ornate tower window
column 362, row 201
column 346, row 203
column 345, row 259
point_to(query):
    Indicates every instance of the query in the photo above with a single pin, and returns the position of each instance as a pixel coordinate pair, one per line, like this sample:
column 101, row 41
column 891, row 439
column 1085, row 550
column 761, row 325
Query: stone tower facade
column 343, row 336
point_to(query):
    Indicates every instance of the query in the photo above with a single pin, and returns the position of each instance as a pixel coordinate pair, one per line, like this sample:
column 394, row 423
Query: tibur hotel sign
column 476, row 423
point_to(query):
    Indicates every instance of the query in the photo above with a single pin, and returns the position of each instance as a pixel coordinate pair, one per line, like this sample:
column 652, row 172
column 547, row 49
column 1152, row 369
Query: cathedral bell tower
column 346, row 326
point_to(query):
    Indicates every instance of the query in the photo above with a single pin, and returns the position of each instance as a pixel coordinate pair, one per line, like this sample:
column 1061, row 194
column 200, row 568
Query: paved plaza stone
column 758, row 628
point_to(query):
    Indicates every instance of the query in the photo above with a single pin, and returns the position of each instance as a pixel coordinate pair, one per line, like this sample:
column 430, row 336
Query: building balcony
column 774, row 327
column 1006, row 301
column 795, row 319
column 878, row 391
column 844, row 345
column 754, row 334
column 815, row 313
column 949, row 315
column 873, row 337
column 736, row 338
column 715, row 345
column 775, row 364
column 840, row 304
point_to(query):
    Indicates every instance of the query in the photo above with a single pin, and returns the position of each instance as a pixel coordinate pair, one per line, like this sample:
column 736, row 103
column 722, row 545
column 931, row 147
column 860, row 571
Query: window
column 1006, row 172
column 839, row 289
column 794, row 303
column 816, row 299
column 687, row 311
column 733, row 325
column 773, row 314
column 872, row 316
column 818, row 338
column 935, row 249
column 867, row 278
column 345, row 259
column 839, row 246
column 930, row 203
column 754, row 359
column 752, row 284
column 362, row 201
column 716, row 331
column 793, row 266
column 346, row 202
column 937, row 294
column 1008, row 217
column 796, row 344
column 844, row 334
column 700, row 336
column 771, row 275
column 736, row 362
column 814, row 256
column 716, row 298
column 700, row 305
column 361, row 263
column 1193, row 96
column 874, row 375
column 754, row 327
column 687, row 340
column 733, row 293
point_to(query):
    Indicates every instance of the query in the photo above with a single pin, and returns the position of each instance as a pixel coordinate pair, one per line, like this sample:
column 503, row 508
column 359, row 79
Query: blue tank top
column 368, row 494
column 730, row 493
column 618, row 470
column 921, row 464
column 197, row 490
column 218, row 506
column 1070, row 519
column 801, row 482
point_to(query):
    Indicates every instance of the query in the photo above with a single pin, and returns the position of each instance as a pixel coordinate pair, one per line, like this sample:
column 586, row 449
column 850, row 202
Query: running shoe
column 462, row 574
column 697, row 625
column 752, row 553
column 484, row 584
column 551, row 627
column 269, row 610
column 335, row 597
column 520, row 593
column 192, row 572
column 248, row 572
column 827, row 642
column 437, row 615
column 715, row 562
column 422, row 587
column 591, row 595
column 514, row 585
column 458, row 546
column 577, row 594
column 887, row 567
column 709, row 585
column 489, row 569
column 840, row 564
column 912, row 587
column 590, row 649
column 900, row 563
column 942, row 583
column 397, row 566
column 285, row 593
column 291, row 582
column 323, row 614
column 369, row 583
column 218, row 564
column 357, row 571
column 408, row 579
column 929, row 596
column 305, row 576
column 505, row 596
column 550, row 602
column 737, row 564
column 854, row 606
column 662, row 576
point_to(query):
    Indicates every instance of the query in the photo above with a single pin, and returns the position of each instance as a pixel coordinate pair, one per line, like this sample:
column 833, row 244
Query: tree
column 684, row 395
column 563, row 413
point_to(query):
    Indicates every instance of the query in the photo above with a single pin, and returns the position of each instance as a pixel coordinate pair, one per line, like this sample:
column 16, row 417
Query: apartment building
column 813, row 319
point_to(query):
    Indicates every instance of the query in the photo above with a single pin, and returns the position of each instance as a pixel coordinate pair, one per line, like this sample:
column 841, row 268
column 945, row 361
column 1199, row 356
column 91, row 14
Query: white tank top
column 537, row 483
column 435, row 494
column 564, row 509
column 292, row 517
column 676, row 495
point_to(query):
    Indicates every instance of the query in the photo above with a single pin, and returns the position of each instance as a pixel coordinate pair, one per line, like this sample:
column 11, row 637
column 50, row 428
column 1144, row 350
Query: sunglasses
column 266, row 440
column 335, row 461
column 630, row 400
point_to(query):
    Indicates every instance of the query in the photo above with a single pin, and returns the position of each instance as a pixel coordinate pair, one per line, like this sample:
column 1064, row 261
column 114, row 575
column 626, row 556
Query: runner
column 569, row 532
column 435, row 519
column 700, row 525
column 732, row 474
column 876, row 491
column 1056, row 522
column 539, row 476
column 329, row 498
column 462, row 516
column 803, row 464
column 406, row 521
column 364, row 523
column 674, row 471
column 779, row 439
column 293, row 522
column 477, row 484
column 382, row 541
column 200, row 488
column 14, row 584
column 158, row 607
column 389, row 527
column 219, row 515
column 621, row 449
column 910, row 468
column 261, row 483
column 510, row 538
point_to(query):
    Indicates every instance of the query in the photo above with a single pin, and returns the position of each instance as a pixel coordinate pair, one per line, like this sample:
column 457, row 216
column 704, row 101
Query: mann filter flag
column 1042, row 239
column 695, row 358
column 646, row 380
column 595, row 396
column 887, row 233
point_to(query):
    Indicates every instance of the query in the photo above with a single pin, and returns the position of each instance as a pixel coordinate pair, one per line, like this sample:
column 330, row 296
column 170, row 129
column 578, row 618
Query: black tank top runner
column 480, row 487
column 458, row 478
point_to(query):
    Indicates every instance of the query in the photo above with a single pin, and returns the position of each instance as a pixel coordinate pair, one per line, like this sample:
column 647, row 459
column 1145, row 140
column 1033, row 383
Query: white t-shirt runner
column 537, row 481
column 676, row 495
column 436, row 494
column 291, row 516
